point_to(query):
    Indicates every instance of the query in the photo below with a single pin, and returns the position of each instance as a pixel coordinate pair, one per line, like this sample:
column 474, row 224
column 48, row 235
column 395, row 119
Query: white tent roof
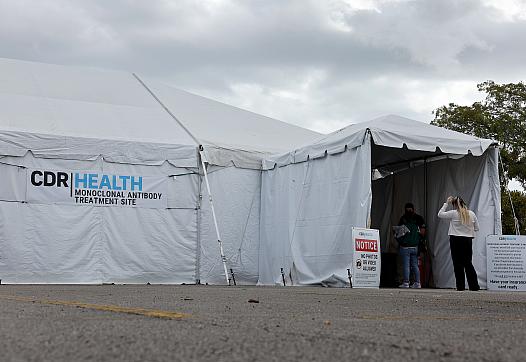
column 221, row 125
column 414, row 139
column 53, row 101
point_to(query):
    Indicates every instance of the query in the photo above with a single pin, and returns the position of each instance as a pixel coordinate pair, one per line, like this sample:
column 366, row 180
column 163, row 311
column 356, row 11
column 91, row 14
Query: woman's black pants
column 461, row 253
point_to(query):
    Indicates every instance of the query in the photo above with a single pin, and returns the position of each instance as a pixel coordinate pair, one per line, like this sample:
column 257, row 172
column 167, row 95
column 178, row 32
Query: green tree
column 501, row 116
column 519, row 203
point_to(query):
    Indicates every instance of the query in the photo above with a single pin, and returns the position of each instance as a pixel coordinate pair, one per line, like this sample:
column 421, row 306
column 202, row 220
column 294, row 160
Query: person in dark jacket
column 415, row 229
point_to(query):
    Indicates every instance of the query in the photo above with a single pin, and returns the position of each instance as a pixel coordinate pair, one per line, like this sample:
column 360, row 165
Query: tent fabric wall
column 236, row 194
column 18, row 144
column 175, row 245
column 12, row 183
column 78, row 244
column 308, row 211
column 476, row 180
column 57, row 243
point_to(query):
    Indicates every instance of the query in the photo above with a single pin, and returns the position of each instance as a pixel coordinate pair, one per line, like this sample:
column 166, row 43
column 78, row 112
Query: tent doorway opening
column 401, row 176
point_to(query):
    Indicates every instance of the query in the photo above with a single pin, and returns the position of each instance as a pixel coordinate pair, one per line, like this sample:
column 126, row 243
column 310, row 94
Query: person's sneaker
column 416, row 286
column 404, row 285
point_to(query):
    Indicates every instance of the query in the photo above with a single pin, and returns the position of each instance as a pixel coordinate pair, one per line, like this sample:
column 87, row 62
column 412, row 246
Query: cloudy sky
column 321, row 64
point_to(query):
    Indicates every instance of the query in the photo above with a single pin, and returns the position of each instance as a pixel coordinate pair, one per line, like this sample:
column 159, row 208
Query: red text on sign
column 366, row 245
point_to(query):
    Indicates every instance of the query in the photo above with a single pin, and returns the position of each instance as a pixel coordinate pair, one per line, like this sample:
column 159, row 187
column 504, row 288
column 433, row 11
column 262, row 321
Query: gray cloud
column 317, row 64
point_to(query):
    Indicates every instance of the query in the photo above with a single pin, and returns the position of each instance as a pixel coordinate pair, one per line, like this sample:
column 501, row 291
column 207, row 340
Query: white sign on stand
column 506, row 262
column 366, row 258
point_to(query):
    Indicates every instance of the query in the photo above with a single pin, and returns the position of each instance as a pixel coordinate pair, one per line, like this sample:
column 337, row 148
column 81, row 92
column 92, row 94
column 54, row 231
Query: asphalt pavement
column 211, row 323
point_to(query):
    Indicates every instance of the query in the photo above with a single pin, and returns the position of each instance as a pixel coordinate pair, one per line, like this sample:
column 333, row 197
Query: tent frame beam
column 202, row 163
column 210, row 199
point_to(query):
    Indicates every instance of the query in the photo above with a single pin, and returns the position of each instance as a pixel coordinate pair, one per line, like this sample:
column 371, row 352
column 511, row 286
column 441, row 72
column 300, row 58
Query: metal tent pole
column 515, row 220
column 223, row 258
column 426, row 240
column 198, row 223
column 425, row 191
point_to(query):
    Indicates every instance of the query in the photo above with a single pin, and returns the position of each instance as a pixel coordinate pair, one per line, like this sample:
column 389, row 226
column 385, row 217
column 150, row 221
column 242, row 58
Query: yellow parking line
column 155, row 313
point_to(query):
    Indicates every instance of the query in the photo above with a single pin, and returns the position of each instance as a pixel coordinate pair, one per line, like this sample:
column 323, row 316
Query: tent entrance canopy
column 427, row 182
column 414, row 162
column 388, row 159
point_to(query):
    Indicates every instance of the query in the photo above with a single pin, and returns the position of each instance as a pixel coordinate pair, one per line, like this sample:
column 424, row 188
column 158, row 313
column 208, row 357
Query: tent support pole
column 425, row 190
column 425, row 283
column 505, row 174
column 166, row 108
column 223, row 258
column 198, row 223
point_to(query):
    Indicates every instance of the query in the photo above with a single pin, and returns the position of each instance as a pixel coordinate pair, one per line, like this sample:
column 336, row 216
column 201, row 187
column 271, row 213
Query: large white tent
column 362, row 176
column 82, row 121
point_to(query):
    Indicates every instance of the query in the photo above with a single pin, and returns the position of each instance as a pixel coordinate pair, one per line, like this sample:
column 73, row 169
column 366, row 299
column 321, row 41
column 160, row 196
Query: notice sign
column 366, row 258
column 506, row 258
column 93, row 188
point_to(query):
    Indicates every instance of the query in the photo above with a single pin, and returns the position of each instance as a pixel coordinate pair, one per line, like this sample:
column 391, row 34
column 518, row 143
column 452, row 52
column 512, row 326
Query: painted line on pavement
column 154, row 313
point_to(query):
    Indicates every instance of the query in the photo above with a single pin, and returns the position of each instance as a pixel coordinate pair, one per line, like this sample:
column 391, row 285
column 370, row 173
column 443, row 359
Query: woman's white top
column 456, row 227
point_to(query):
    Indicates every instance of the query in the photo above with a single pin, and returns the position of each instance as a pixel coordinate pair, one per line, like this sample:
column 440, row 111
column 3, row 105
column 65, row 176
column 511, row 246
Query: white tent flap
column 308, row 211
